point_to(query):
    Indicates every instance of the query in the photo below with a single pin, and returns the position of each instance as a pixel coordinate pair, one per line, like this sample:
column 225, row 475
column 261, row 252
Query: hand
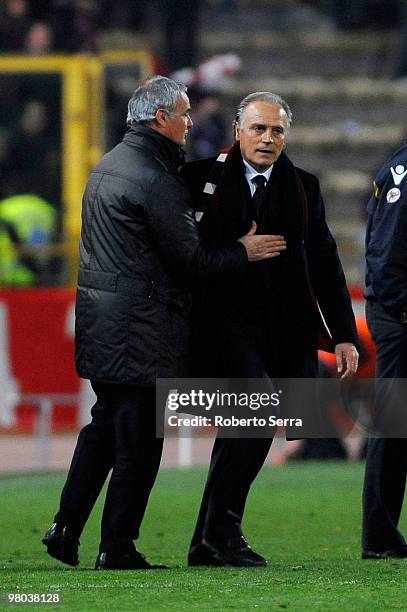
column 263, row 246
column 346, row 354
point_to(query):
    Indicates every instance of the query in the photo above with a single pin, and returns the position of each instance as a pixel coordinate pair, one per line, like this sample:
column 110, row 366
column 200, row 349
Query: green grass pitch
column 305, row 518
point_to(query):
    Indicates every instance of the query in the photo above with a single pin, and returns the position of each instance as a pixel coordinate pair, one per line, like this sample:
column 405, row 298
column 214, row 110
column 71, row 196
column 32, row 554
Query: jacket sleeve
column 326, row 273
column 386, row 252
column 175, row 233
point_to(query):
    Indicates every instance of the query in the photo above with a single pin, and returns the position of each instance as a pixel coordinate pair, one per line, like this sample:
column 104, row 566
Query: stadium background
column 67, row 69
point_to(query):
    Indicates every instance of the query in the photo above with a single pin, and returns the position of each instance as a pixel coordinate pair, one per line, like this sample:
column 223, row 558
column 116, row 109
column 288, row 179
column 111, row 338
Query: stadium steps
column 326, row 54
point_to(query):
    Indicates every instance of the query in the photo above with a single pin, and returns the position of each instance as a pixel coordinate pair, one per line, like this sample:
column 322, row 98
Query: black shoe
column 133, row 560
column 62, row 544
column 201, row 554
column 391, row 553
column 234, row 552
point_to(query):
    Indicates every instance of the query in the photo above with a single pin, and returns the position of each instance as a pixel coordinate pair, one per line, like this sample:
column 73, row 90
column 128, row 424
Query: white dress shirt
column 250, row 173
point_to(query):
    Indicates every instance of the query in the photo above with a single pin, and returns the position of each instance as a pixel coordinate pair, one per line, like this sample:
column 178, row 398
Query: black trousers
column 235, row 462
column 386, row 462
column 121, row 437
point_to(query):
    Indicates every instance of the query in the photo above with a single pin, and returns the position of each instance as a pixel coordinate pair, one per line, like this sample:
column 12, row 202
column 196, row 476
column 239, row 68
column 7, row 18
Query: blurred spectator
column 39, row 39
column 208, row 133
column 32, row 163
column 14, row 25
column 219, row 70
column 25, row 221
column 180, row 24
column 64, row 25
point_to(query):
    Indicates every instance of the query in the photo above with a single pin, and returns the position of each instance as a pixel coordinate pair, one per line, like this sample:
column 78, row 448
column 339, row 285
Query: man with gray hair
column 139, row 251
column 264, row 323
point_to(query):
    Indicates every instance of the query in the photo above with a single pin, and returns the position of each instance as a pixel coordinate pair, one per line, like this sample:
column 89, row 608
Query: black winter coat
column 139, row 252
column 275, row 298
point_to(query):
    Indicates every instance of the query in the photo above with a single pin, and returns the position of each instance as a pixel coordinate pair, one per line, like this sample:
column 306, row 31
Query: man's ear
column 237, row 131
column 161, row 117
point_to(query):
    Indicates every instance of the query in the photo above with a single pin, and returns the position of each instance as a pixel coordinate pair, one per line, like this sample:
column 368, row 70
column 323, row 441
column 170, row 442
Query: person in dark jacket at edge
column 140, row 250
column 265, row 322
column 386, row 315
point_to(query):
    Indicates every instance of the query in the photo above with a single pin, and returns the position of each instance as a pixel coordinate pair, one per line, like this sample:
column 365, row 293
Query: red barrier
column 36, row 349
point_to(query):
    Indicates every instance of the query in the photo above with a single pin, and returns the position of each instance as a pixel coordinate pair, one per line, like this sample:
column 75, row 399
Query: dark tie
column 258, row 197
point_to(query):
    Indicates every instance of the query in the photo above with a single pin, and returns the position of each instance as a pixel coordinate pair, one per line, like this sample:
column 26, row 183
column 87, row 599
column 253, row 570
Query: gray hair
column 156, row 92
column 263, row 96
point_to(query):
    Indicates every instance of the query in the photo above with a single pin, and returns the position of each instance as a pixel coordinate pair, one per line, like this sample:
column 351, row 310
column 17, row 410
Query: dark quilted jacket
column 139, row 253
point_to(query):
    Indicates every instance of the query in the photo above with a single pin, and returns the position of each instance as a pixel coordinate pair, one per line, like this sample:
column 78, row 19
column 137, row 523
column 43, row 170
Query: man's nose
column 267, row 136
column 190, row 123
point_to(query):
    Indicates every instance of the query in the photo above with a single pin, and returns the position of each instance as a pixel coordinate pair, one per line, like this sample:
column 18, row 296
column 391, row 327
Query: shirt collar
column 250, row 172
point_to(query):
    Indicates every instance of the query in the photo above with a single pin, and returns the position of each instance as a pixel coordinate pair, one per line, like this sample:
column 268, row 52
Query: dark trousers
column 235, row 462
column 234, row 465
column 121, row 437
column 386, row 462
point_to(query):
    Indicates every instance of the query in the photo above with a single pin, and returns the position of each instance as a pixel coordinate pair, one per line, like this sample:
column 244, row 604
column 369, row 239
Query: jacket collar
column 165, row 150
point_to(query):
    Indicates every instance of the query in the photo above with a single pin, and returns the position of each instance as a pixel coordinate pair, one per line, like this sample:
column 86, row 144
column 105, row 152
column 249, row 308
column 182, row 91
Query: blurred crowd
column 70, row 26
column 30, row 113
column 65, row 26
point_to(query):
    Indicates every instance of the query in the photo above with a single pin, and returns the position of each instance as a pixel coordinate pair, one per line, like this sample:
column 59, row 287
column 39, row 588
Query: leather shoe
column 201, row 554
column 233, row 552
column 62, row 544
column 133, row 560
column 391, row 553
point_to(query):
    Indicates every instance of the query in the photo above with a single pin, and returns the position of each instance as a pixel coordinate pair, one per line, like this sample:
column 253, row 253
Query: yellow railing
column 83, row 123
